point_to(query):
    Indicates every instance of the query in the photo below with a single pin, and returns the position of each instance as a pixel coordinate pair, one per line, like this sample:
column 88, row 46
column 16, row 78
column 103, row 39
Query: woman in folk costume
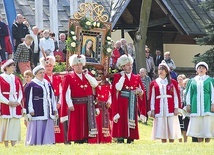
column 164, row 102
column 56, row 81
column 103, row 102
column 127, row 90
column 77, row 101
column 200, row 104
column 11, row 95
column 41, row 109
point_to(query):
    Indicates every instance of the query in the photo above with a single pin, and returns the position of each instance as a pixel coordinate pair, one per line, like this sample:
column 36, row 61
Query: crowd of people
column 80, row 108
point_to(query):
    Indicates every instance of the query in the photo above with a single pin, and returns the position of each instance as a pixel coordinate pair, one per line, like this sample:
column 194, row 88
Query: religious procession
column 105, row 89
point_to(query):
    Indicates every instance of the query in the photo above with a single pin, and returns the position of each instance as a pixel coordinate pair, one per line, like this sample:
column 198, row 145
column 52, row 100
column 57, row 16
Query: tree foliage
column 208, row 39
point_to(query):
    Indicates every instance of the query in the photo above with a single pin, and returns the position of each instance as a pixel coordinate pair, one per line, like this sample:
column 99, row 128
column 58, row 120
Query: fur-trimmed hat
column 201, row 64
column 37, row 68
column 163, row 63
column 49, row 60
column 75, row 59
column 123, row 60
column 6, row 63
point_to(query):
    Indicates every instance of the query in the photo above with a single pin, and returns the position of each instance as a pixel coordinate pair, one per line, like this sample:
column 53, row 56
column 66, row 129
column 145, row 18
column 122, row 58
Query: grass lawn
column 143, row 146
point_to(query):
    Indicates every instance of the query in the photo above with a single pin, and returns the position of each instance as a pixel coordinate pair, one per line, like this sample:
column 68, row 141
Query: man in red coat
column 56, row 81
column 127, row 90
column 77, row 101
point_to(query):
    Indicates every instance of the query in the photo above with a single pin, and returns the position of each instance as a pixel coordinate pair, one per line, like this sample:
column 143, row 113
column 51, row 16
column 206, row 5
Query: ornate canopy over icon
column 90, row 34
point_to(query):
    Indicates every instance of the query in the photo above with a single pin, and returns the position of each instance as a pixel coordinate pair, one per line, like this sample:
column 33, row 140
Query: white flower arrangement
column 94, row 24
column 73, row 44
column 109, row 50
column 93, row 72
column 88, row 23
column 72, row 33
column 108, row 38
column 98, row 25
column 74, row 37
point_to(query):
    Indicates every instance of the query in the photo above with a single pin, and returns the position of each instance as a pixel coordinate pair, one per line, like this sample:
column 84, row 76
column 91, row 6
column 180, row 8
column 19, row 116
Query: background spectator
column 24, row 55
column 46, row 44
column 3, row 34
column 19, row 31
column 158, row 57
column 35, row 44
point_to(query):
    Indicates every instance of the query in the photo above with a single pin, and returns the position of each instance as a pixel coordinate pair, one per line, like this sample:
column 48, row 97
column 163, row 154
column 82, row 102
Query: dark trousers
column 35, row 59
column 2, row 53
column 65, row 127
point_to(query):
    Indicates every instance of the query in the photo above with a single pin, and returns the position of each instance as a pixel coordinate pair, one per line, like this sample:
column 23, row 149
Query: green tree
column 208, row 39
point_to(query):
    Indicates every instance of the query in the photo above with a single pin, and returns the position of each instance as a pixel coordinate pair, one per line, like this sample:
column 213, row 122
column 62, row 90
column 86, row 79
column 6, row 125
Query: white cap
column 37, row 68
column 163, row 63
column 5, row 63
column 75, row 59
column 123, row 60
column 202, row 64
column 49, row 60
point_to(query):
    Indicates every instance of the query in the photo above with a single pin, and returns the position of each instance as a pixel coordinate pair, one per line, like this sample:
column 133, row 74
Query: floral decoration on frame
column 107, row 47
column 113, row 70
column 87, row 23
column 72, row 42
column 92, row 70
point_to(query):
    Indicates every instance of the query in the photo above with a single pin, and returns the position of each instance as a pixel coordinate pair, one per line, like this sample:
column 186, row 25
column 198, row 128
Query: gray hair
column 143, row 69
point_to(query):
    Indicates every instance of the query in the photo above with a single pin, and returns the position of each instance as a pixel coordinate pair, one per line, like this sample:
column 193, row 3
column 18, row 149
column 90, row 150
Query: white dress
column 165, row 127
column 10, row 126
column 201, row 125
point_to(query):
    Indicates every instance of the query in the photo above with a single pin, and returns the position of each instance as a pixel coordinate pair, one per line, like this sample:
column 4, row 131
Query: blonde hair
column 28, row 37
column 28, row 73
column 182, row 76
column 185, row 82
column 167, row 53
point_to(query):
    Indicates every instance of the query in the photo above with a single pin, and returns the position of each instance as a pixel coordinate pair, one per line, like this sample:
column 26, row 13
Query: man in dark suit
column 19, row 31
column 35, row 45
column 3, row 34
column 158, row 58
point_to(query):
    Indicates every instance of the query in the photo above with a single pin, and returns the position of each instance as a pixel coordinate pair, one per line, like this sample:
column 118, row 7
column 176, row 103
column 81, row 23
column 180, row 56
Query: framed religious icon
column 91, row 36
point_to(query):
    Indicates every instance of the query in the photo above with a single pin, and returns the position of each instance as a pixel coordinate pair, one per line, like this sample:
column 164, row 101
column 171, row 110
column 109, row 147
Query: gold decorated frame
column 93, row 11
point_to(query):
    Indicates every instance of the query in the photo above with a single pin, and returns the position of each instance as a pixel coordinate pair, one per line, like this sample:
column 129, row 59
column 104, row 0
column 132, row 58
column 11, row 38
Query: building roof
column 184, row 17
column 175, row 18
column 189, row 14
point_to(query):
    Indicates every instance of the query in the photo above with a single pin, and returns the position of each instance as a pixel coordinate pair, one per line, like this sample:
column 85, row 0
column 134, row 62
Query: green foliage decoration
column 59, row 67
column 107, row 47
column 88, row 23
column 72, row 42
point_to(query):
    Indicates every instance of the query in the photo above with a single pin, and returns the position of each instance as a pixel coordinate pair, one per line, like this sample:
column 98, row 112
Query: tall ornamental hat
column 76, row 59
column 48, row 60
column 6, row 63
column 123, row 60
column 37, row 68
column 163, row 63
column 202, row 64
